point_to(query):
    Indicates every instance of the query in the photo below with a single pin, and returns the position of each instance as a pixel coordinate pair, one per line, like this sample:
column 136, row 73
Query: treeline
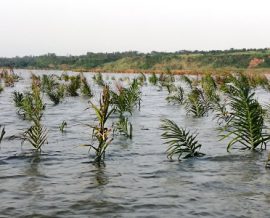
column 180, row 60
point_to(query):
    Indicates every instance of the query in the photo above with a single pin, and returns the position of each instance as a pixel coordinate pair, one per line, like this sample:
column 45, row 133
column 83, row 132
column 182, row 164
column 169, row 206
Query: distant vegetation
column 153, row 62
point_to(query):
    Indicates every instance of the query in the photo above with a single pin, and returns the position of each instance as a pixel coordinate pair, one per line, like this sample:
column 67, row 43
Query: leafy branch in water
column 124, row 127
column 196, row 103
column 85, row 88
column 176, row 97
column 179, row 141
column 33, row 107
column 246, row 124
column 101, row 132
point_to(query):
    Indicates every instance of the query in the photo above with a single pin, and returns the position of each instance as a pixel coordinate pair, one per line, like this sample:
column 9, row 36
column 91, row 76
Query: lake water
column 137, row 180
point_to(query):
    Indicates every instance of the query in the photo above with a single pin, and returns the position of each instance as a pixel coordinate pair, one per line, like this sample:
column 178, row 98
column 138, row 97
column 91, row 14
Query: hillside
column 155, row 61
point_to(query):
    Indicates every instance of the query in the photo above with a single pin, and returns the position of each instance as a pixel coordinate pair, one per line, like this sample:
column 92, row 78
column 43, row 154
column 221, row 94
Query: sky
column 74, row 27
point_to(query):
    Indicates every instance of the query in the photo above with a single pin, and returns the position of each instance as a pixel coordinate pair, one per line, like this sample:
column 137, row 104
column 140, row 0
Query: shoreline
column 217, row 71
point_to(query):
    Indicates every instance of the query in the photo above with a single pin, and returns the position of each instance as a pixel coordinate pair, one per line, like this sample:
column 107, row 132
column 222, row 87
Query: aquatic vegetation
column 56, row 93
column 101, row 132
column 153, row 79
column 196, row 104
column 209, row 87
column 98, row 79
column 246, row 125
column 36, row 135
column 32, row 106
column 141, row 78
column 48, row 83
column 64, row 76
column 85, row 88
column 187, row 81
column 73, row 86
column 180, row 141
column 3, row 132
column 36, row 81
column 257, row 79
column 177, row 97
column 9, row 77
column 63, row 126
column 124, row 127
column 222, row 115
column 54, row 97
column 53, row 88
column 126, row 99
column 18, row 98
column 167, row 80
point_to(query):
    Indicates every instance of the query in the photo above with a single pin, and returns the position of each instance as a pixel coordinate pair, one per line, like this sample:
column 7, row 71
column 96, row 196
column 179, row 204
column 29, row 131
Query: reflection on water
column 138, row 180
column 32, row 186
column 100, row 177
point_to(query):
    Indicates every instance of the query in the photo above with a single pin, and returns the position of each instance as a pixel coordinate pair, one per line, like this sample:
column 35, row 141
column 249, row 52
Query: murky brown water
column 138, row 180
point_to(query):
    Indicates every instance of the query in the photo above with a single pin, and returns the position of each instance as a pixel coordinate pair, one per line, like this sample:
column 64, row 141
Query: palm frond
column 196, row 103
column 176, row 97
column 246, row 125
column 179, row 140
column 36, row 135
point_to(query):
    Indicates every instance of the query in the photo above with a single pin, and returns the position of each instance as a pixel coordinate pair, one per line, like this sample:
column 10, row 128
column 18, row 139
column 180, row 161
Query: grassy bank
column 182, row 62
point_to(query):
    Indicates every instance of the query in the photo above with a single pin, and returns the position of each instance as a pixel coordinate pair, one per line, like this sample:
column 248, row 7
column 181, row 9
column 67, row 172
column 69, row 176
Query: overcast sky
column 33, row 27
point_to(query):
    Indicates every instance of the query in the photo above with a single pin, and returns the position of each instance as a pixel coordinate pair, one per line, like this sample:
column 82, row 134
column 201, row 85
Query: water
column 138, row 180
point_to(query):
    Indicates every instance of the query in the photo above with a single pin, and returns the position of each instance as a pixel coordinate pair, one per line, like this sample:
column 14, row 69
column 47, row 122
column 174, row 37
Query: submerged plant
column 73, row 86
column 209, row 87
column 48, row 83
column 176, row 97
column 85, row 88
column 141, row 78
column 256, row 80
column 153, row 79
column 36, row 135
column 126, row 99
column 3, row 132
column 222, row 115
column 101, row 132
column 180, row 141
column 62, row 126
column 187, row 81
column 196, row 103
column 32, row 106
column 98, row 79
column 124, row 127
column 57, row 93
column 18, row 98
column 9, row 77
column 246, row 125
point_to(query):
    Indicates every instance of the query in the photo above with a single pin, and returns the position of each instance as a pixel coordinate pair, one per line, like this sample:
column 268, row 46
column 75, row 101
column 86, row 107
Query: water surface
column 138, row 180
